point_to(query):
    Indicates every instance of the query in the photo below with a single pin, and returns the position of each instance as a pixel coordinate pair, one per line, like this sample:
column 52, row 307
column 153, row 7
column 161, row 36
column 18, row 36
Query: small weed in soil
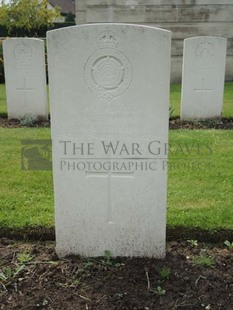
column 229, row 244
column 190, row 277
column 204, row 261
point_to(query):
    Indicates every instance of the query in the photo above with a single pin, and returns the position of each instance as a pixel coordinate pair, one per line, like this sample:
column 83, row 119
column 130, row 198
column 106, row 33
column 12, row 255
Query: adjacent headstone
column 203, row 77
column 109, row 95
column 24, row 65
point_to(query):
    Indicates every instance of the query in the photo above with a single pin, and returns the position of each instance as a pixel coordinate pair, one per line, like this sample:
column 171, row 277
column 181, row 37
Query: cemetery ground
column 192, row 276
column 175, row 99
column 197, row 272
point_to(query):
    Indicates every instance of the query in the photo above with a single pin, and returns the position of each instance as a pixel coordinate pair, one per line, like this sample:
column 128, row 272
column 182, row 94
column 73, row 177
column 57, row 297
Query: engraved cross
column 110, row 175
column 203, row 89
column 25, row 89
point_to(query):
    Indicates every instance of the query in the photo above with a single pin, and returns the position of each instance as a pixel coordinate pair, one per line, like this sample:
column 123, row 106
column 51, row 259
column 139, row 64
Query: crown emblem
column 107, row 40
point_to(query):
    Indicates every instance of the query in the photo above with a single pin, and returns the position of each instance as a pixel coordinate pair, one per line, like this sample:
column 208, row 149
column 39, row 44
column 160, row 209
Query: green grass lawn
column 196, row 198
column 174, row 99
column 3, row 109
column 201, row 197
column 26, row 197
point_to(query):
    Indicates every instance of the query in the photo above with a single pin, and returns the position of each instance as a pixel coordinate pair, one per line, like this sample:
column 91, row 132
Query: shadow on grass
column 3, row 115
column 179, row 233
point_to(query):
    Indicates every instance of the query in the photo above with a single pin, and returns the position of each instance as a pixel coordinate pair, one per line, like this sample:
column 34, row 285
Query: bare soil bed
column 174, row 123
column 224, row 123
column 192, row 276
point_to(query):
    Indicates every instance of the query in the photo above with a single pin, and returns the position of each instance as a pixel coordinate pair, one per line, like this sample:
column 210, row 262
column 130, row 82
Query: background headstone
column 203, row 77
column 109, row 83
column 24, row 65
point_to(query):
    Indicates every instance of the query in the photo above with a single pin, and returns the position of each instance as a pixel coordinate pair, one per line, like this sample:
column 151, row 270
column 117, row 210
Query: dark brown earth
column 190, row 277
column 224, row 123
column 179, row 233
column 15, row 123
column 174, row 123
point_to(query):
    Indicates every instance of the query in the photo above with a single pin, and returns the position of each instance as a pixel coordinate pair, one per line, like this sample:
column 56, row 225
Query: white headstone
column 109, row 83
column 203, row 75
column 24, row 65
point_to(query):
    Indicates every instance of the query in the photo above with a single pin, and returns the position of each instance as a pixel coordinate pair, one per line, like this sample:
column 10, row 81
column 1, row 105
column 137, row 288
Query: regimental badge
column 108, row 71
column 23, row 53
column 205, row 49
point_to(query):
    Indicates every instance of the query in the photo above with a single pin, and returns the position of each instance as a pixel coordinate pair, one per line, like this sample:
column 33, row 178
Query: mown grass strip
column 199, row 197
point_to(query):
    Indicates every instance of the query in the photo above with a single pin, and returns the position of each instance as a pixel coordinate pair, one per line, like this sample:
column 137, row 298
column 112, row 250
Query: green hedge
column 22, row 33
column 41, row 32
column 2, row 80
column 3, row 31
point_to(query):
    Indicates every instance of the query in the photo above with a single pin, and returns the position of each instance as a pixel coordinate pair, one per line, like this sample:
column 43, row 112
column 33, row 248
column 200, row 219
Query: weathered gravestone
column 109, row 92
column 203, row 77
column 24, row 65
